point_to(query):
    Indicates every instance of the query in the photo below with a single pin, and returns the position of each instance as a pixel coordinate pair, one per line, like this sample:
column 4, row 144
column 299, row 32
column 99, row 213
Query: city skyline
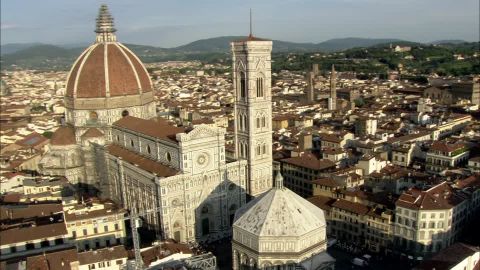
column 170, row 24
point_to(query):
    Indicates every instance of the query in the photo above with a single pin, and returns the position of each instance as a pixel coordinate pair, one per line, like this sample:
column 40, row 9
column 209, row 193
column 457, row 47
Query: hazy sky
column 170, row 23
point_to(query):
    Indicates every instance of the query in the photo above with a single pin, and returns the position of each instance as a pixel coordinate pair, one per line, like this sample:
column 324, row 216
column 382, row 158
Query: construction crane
column 134, row 217
column 203, row 261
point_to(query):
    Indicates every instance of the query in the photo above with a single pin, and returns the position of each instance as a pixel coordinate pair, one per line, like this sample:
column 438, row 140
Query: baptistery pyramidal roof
column 279, row 212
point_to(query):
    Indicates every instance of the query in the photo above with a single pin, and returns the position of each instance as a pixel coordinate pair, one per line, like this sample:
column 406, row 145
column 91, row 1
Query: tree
column 359, row 102
column 47, row 134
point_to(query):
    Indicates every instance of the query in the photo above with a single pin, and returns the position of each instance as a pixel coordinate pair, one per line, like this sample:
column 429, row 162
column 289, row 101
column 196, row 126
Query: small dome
column 64, row 135
column 279, row 213
column 92, row 133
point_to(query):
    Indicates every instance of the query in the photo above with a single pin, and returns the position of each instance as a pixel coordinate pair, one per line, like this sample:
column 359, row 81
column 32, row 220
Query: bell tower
column 253, row 110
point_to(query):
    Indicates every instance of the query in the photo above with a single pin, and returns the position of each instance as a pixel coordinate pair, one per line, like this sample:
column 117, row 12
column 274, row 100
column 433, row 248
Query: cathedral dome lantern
column 108, row 75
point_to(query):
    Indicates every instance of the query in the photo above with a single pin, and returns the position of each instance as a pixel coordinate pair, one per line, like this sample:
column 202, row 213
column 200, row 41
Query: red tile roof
column 445, row 146
column 58, row 260
column 157, row 128
column 125, row 73
column 441, row 196
column 104, row 254
column 142, row 162
column 328, row 182
column 322, row 202
column 64, row 135
column 310, row 162
column 19, row 235
column 29, row 211
column 352, row 207
column 92, row 133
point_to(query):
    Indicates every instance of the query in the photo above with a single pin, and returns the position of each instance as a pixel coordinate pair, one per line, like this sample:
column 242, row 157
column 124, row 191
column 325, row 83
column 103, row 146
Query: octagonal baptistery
column 280, row 230
column 107, row 82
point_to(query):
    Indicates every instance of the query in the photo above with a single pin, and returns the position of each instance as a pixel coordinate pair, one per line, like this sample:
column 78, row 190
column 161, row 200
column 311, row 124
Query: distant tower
column 332, row 101
column 310, row 87
column 253, row 110
column 315, row 69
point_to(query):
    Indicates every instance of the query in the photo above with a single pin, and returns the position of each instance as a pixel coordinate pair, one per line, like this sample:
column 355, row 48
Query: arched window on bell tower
column 260, row 87
column 243, row 85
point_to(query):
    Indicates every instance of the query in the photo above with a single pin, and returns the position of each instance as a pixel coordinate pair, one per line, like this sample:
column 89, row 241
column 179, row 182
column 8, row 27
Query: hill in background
column 43, row 56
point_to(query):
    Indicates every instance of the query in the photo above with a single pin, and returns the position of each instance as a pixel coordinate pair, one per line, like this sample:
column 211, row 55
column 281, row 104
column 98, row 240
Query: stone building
column 113, row 143
column 301, row 171
column 183, row 173
column 365, row 226
column 253, row 110
column 95, row 225
column 106, row 83
column 280, row 230
column 443, row 155
column 451, row 92
column 427, row 221
column 332, row 100
column 365, row 126
column 4, row 88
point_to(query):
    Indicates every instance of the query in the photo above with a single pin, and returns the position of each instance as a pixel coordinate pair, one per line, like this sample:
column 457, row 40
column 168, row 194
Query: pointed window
column 259, row 87
column 245, row 122
column 258, row 122
column 240, row 126
column 264, row 121
column 243, row 85
column 240, row 145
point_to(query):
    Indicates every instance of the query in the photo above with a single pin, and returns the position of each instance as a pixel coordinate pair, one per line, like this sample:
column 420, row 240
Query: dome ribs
column 143, row 75
column 91, row 79
column 73, row 75
column 122, row 79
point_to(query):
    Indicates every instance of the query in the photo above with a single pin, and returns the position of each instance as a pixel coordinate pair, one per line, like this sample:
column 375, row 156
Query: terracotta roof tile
column 64, row 135
column 353, row 207
column 310, row 162
column 58, row 260
column 29, row 211
column 142, row 162
column 157, row 128
column 121, row 75
column 143, row 76
column 104, row 254
column 18, row 235
column 92, row 133
column 441, row 196
column 165, row 249
column 322, row 202
column 449, row 257
column 73, row 75
column 328, row 182
column 445, row 147
column 91, row 75
column 126, row 74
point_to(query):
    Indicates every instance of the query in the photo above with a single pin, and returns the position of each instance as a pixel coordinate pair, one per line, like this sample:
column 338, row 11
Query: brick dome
column 107, row 69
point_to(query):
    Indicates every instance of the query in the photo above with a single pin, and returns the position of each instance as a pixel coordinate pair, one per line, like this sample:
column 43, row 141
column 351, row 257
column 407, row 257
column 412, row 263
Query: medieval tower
column 253, row 110
column 332, row 101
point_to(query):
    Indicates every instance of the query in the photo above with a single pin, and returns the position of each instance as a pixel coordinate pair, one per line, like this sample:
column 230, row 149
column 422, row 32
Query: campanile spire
column 104, row 29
